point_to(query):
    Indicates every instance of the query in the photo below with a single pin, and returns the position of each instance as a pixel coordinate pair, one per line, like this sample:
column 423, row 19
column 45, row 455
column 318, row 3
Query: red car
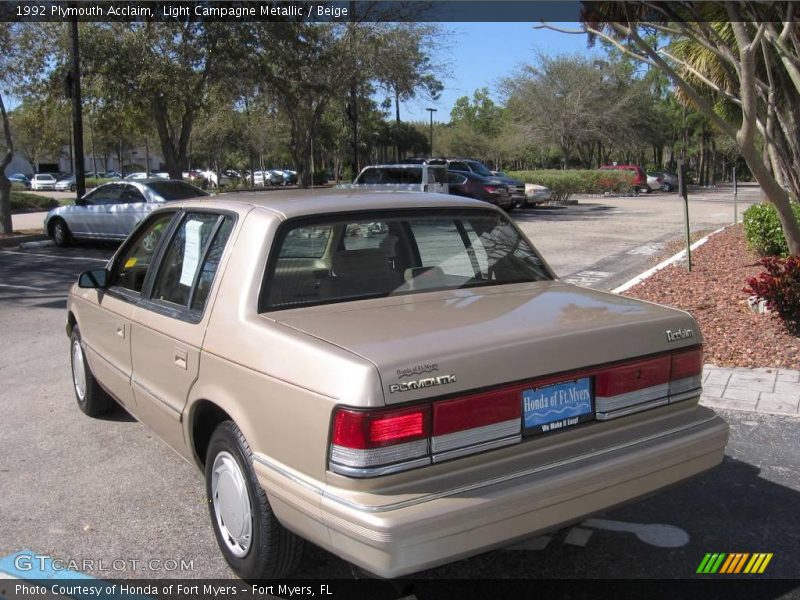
column 639, row 177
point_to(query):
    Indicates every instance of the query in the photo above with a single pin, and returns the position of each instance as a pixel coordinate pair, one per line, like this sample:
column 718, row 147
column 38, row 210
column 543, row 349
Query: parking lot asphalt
column 93, row 489
column 601, row 242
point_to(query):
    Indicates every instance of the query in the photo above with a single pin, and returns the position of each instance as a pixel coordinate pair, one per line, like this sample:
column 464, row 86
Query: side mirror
column 96, row 278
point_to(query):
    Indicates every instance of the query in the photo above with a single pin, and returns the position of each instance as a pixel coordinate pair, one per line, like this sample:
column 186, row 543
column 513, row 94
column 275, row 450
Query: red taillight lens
column 478, row 410
column 377, row 442
column 491, row 189
column 475, row 423
column 686, row 377
column 687, row 364
column 373, row 429
column 633, row 376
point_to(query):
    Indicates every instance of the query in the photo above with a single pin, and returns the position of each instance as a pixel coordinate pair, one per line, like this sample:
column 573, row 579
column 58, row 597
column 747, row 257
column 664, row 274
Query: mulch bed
column 734, row 335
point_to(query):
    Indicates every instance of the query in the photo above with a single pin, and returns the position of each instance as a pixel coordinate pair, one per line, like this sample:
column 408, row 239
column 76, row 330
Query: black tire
column 72, row 188
column 59, row 231
column 92, row 399
column 273, row 550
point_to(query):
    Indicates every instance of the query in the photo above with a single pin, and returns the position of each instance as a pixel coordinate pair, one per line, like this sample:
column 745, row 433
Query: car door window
column 458, row 166
column 132, row 266
column 191, row 259
column 130, row 195
column 105, row 195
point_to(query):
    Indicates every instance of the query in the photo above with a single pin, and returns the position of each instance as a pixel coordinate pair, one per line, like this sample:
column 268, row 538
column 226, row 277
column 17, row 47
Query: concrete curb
column 662, row 265
column 22, row 241
column 42, row 243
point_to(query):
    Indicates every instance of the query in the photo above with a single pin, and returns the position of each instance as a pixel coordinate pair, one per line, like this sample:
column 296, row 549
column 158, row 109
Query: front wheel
column 251, row 539
column 92, row 399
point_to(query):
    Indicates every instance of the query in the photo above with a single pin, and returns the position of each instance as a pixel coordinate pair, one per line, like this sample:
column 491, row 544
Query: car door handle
column 121, row 331
column 180, row 358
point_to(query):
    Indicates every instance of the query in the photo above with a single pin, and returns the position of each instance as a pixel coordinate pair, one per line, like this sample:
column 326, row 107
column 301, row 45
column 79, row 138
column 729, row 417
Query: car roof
column 303, row 202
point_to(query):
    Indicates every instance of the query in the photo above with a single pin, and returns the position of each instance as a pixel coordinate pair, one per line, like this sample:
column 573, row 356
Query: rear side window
column 411, row 175
column 437, row 175
column 403, row 252
column 191, row 259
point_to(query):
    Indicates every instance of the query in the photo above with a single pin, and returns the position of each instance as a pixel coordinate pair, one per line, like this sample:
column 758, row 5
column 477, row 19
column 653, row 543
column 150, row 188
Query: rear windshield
column 479, row 168
column 175, row 190
column 372, row 255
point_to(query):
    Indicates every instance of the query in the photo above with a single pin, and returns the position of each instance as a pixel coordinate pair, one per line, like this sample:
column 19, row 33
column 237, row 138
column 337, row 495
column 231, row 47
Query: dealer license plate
column 557, row 406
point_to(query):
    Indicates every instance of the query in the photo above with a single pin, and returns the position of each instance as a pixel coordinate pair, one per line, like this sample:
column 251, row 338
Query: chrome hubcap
column 59, row 232
column 231, row 504
column 78, row 370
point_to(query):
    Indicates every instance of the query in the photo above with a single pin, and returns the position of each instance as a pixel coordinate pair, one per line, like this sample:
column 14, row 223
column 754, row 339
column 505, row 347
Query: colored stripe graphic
column 734, row 563
column 711, row 562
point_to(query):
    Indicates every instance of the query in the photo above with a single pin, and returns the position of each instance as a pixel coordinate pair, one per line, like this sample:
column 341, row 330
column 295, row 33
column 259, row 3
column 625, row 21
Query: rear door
column 169, row 325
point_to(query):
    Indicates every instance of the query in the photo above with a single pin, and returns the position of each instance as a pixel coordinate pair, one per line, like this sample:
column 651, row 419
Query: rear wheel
column 92, row 399
column 252, row 540
column 60, row 233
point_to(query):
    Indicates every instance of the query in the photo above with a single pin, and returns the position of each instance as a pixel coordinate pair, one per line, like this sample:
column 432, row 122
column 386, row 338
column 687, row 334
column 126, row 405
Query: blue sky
column 482, row 53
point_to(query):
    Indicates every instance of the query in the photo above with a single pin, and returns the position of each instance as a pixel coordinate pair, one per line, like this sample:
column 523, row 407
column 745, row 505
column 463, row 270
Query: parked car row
column 646, row 182
column 479, row 178
column 459, row 177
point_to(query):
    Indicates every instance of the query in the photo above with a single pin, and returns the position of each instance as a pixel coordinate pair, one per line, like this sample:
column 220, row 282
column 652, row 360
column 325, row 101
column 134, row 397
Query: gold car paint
column 280, row 375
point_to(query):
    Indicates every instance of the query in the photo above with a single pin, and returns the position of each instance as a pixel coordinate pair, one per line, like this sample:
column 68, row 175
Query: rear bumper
column 414, row 533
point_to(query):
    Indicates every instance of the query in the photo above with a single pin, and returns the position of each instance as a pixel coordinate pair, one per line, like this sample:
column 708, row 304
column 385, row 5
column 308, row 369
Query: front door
column 106, row 330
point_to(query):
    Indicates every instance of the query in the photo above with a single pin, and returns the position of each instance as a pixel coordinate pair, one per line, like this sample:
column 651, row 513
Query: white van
column 413, row 178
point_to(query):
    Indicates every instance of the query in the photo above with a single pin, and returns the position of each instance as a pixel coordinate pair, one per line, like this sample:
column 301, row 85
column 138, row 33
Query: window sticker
column 191, row 252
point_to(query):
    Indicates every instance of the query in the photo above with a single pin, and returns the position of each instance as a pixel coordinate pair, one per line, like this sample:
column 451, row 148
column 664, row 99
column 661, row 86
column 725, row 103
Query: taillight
column 476, row 423
column 492, row 189
column 366, row 443
column 686, row 376
column 642, row 384
column 379, row 441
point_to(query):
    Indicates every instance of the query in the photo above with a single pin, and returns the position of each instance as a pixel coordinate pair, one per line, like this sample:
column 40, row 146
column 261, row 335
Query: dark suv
column 515, row 187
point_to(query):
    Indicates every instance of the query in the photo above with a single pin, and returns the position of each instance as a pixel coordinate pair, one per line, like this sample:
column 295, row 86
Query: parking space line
column 578, row 536
column 23, row 287
column 55, row 256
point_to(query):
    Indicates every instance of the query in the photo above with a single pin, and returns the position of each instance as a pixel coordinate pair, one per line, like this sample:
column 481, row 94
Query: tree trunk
column 175, row 151
column 5, row 184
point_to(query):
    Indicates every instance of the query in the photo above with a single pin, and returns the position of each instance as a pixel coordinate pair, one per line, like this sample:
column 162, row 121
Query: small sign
column 557, row 406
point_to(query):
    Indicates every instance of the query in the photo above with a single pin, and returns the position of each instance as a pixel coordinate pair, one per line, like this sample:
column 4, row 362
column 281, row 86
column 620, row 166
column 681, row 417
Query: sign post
column 735, row 198
column 685, row 195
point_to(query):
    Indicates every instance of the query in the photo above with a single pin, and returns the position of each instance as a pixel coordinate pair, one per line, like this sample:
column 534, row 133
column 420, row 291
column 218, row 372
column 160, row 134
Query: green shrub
column 320, row 177
column 95, row 181
column 25, row 201
column 763, row 231
column 565, row 183
column 780, row 287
